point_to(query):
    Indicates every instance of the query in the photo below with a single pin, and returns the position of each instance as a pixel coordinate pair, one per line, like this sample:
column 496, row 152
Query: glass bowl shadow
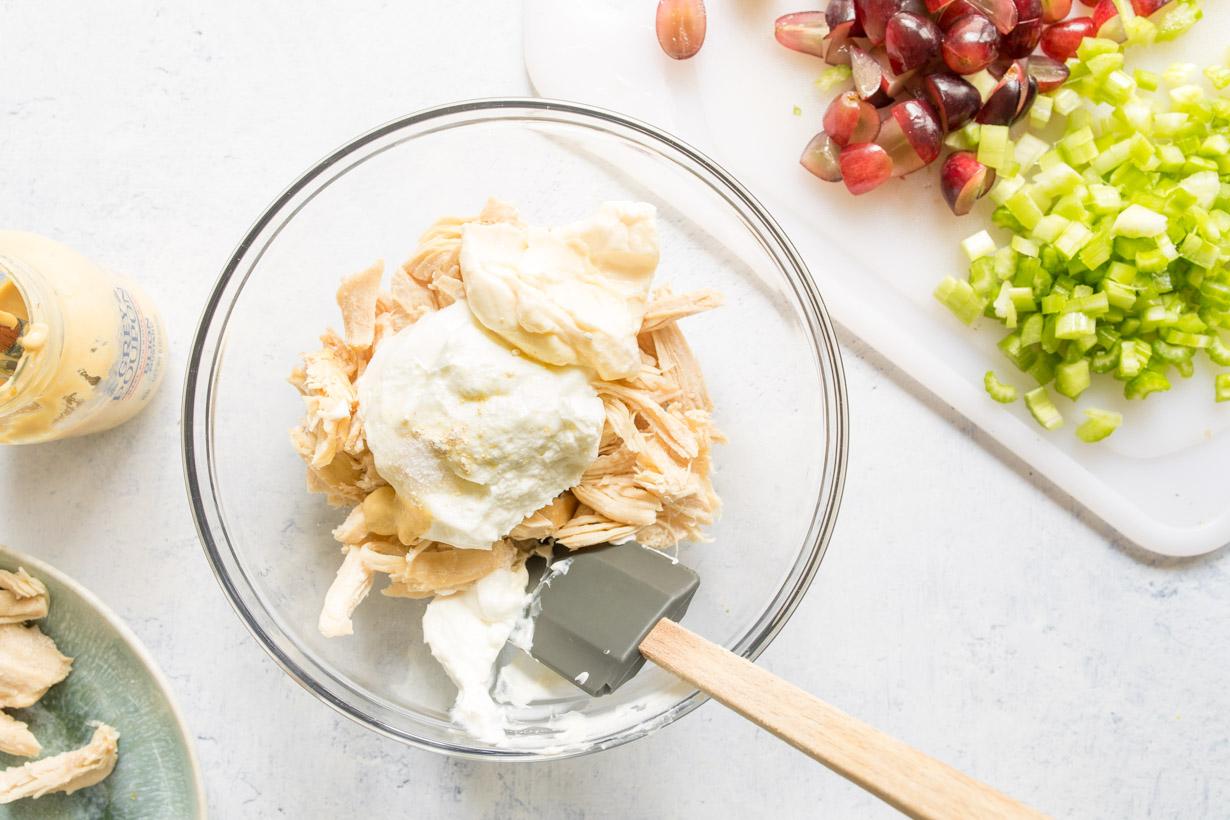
column 769, row 355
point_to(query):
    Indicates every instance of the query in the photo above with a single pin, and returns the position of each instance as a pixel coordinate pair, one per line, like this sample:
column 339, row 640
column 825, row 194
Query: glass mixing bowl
column 769, row 355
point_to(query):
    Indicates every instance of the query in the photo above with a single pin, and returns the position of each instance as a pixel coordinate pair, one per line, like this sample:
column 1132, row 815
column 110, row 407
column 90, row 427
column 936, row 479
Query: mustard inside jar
column 81, row 350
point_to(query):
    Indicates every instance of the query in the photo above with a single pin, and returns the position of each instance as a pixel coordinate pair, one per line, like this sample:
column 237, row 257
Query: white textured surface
column 963, row 605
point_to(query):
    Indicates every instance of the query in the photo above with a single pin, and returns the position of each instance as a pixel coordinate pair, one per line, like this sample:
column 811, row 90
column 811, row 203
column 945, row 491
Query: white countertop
column 963, row 604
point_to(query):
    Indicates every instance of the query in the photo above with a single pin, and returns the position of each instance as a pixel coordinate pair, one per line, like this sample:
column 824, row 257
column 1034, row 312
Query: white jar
column 93, row 351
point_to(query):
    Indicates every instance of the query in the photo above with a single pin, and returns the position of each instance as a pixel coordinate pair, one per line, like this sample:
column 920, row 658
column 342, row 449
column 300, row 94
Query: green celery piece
column 1026, row 211
column 978, row 244
column 1072, row 379
column 1074, row 326
column 1147, row 382
column 1022, row 357
column 1098, row 250
column 1031, row 330
column 960, row 298
column 1054, row 303
column 1146, row 80
column 1074, row 237
column 1136, row 221
column 1218, row 351
column 1098, row 425
column 1041, row 111
column 1184, row 368
column 1171, row 353
column 1176, row 18
column 1218, row 75
column 1043, row 409
column 1001, row 217
column 994, row 146
column 1002, row 393
column 1221, row 387
column 1134, row 354
column 1179, row 337
column 1104, row 361
column 1043, row 369
column 982, row 276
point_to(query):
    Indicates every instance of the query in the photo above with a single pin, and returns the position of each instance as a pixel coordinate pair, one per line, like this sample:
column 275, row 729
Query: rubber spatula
column 609, row 609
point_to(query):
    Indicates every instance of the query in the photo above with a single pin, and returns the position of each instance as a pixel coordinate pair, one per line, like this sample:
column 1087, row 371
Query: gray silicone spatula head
column 596, row 609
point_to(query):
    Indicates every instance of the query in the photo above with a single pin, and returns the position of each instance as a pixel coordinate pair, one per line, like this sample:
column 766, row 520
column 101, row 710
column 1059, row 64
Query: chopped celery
column 979, row 244
column 1148, row 381
column 1221, row 387
column 1116, row 258
column 1043, row 409
column 994, row 146
column 1002, row 393
column 1098, row 425
column 1072, row 378
column 832, row 77
column 1138, row 221
column 960, row 298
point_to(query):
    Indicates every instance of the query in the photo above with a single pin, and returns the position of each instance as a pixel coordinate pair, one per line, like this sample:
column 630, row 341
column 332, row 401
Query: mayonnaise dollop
column 471, row 433
column 574, row 294
column 466, row 632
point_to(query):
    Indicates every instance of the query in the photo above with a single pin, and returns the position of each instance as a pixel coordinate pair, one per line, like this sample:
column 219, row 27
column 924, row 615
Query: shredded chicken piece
column 30, row 664
column 667, row 308
column 351, row 585
column 22, row 597
column 66, row 772
column 16, row 737
column 357, row 299
column 439, row 568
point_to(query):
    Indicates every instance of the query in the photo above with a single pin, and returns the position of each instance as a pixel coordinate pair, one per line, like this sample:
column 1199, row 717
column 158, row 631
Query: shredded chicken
column 66, row 772
column 22, row 597
column 650, row 481
column 16, row 737
column 30, row 664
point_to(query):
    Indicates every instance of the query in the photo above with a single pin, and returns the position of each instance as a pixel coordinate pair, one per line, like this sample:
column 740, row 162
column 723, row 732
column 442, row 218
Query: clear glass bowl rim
column 207, row 346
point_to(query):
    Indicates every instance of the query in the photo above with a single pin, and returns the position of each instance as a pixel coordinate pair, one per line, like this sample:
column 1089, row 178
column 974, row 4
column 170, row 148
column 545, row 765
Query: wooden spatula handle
column 904, row 777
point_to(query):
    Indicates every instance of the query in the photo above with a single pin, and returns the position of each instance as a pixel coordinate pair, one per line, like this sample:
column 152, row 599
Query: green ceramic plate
column 114, row 680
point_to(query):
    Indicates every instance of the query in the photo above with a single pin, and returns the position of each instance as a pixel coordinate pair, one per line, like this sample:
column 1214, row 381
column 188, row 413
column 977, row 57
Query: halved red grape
column 1103, row 11
column 955, row 101
column 954, row 12
column 874, row 15
column 1029, row 92
column 841, row 11
column 1055, row 10
column 803, row 31
column 1023, row 39
column 1060, row 41
column 680, row 26
column 936, row 6
column 1027, row 10
column 1049, row 73
column 911, row 136
column 963, row 179
column 911, row 41
column 864, row 166
column 1000, row 12
column 866, row 71
column 838, row 52
column 1147, row 7
column 971, row 44
column 849, row 119
column 821, row 158
column 1004, row 101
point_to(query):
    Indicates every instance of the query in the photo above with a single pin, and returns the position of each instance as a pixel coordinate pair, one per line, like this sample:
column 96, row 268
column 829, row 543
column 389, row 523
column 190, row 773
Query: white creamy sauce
column 573, row 294
column 476, row 435
column 466, row 632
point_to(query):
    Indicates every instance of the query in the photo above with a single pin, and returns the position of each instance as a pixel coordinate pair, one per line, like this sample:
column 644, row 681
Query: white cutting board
column 1160, row 479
